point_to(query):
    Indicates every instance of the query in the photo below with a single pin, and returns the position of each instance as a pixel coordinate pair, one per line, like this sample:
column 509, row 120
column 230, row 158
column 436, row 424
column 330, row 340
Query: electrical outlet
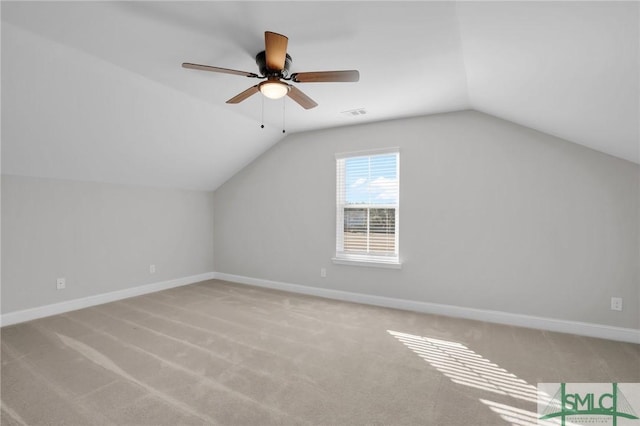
column 152, row 269
column 616, row 303
column 61, row 283
column 323, row 272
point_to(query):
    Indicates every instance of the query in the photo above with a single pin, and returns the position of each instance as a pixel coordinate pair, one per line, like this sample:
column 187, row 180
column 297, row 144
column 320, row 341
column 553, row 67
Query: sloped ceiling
column 94, row 90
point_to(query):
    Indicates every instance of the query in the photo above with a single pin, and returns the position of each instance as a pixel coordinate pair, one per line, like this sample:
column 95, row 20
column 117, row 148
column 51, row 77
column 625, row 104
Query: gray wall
column 100, row 237
column 493, row 216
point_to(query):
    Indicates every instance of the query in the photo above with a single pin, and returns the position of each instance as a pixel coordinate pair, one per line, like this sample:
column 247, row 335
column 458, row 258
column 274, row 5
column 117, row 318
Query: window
column 367, row 208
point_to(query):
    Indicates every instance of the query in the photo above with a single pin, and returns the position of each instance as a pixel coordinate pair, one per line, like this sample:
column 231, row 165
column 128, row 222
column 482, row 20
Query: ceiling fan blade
column 326, row 76
column 218, row 69
column 275, row 50
column 298, row 96
column 243, row 95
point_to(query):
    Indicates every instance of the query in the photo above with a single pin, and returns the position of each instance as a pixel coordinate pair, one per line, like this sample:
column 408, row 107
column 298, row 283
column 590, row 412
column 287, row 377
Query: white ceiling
column 95, row 91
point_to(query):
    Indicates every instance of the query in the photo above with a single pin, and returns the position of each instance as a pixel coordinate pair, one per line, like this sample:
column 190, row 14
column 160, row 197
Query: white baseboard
column 551, row 324
column 85, row 302
column 563, row 326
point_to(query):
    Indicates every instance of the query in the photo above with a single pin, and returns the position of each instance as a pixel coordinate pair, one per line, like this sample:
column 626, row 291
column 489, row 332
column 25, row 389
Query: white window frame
column 375, row 260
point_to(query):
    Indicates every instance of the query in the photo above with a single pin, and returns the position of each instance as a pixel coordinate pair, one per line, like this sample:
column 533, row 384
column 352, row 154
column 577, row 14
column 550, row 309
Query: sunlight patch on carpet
column 465, row 367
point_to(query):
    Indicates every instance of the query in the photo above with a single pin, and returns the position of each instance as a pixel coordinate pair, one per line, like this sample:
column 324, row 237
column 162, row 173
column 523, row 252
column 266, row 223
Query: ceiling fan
column 274, row 63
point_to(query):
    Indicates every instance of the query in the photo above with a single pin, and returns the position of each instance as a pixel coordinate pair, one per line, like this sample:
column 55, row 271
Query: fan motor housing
column 262, row 65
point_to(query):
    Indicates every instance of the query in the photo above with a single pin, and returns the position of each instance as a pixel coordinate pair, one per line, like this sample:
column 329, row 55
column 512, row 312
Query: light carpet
column 222, row 353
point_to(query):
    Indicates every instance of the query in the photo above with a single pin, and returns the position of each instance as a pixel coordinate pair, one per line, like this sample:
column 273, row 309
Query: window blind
column 367, row 207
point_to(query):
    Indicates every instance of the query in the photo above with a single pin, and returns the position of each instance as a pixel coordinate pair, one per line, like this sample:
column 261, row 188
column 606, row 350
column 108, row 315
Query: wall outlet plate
column 616, row 303
column 152, row 269
column 323, row 272
column 61, row 283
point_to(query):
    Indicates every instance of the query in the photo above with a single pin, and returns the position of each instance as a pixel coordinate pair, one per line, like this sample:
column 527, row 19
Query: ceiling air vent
column 355, row 112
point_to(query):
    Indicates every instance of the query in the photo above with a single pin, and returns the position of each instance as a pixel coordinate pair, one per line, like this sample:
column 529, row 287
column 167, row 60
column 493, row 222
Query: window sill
column 367, row 263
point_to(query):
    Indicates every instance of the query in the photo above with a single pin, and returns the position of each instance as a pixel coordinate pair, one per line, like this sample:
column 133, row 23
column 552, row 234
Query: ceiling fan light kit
column 274, row 64
column 273, row 89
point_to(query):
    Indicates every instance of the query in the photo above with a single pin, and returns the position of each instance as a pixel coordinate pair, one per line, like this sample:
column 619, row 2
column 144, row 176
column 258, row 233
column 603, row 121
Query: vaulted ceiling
column 94, row 91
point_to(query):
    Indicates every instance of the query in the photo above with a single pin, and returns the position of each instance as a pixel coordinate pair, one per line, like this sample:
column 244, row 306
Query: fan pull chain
column 262, row 114
column 283, row 111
